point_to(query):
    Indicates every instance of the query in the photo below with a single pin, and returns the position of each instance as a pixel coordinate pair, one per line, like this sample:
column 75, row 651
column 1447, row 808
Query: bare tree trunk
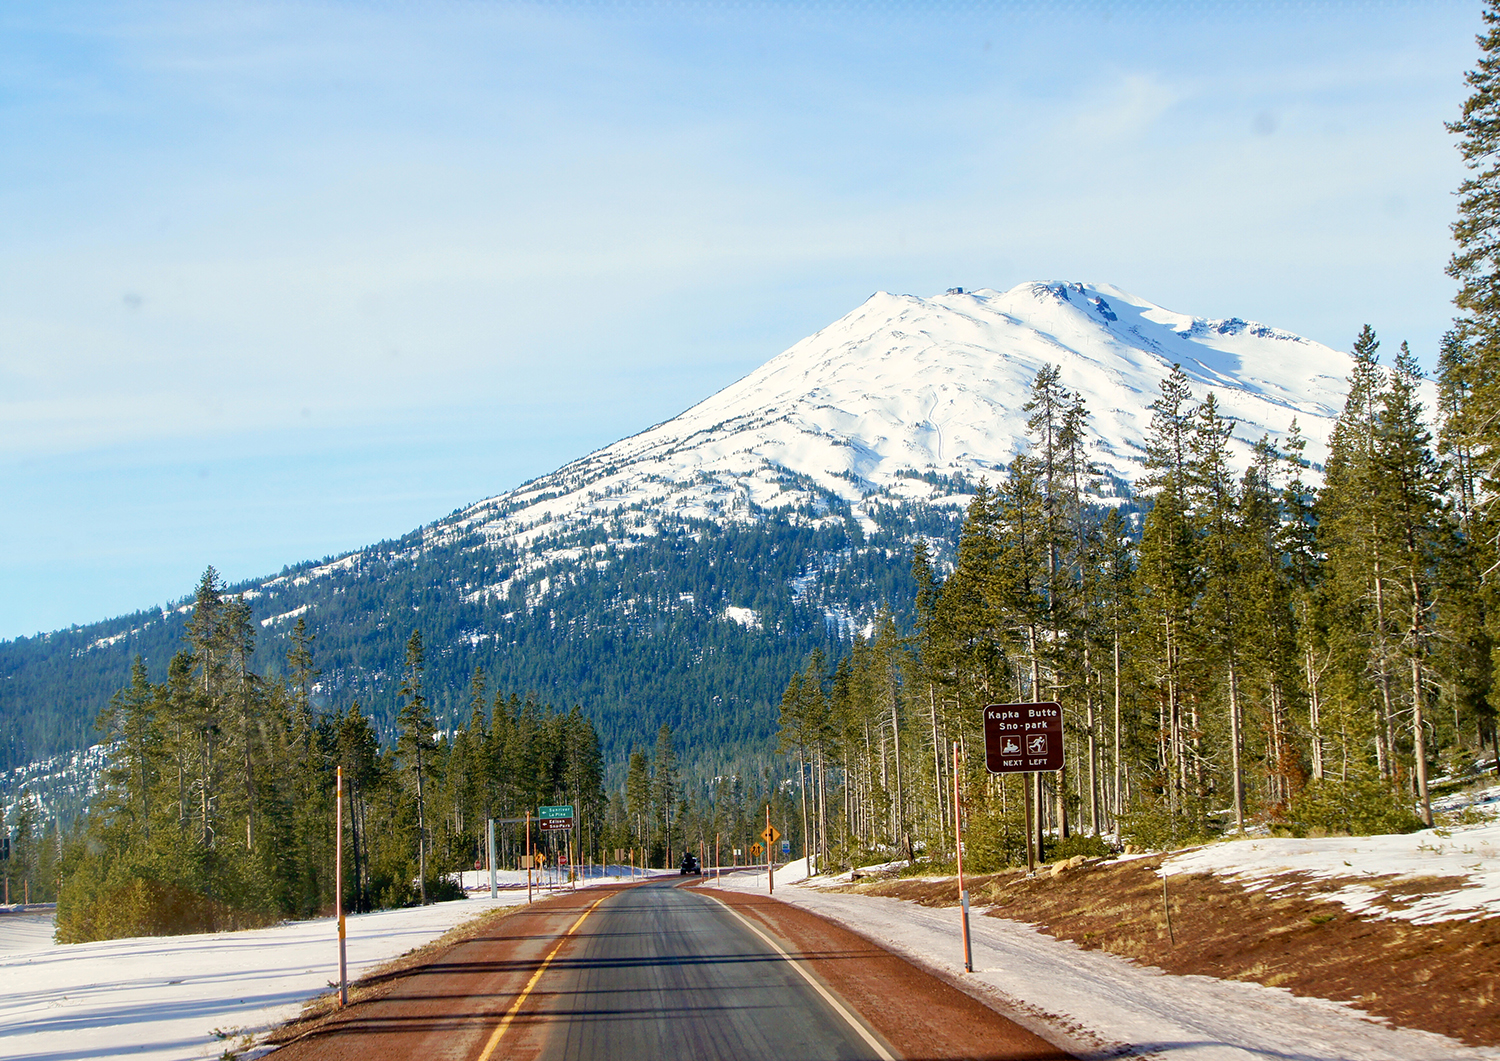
column 802, row 786
column 1419, row 731
column 1093, row 750
column 1235, row 740
column 1314, row 713
column 1119, row 803
column 937, row 764
column 421, row 830
column 1385, row 735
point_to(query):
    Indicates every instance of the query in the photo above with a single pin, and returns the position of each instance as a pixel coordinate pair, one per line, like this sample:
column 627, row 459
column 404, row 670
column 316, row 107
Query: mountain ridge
column 688, row 568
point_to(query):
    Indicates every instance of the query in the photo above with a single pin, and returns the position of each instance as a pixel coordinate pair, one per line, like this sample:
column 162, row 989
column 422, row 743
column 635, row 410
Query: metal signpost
column 770, row 835
column 1024, row 739
column 490, row 836
column 958, row 850
column 555, row 820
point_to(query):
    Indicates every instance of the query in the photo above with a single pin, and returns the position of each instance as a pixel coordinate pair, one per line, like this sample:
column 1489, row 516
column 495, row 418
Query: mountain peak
column 904, row 390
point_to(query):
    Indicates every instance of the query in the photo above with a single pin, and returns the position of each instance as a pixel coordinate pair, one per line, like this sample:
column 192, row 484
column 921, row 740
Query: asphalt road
column 656, row 972
column 663, row 972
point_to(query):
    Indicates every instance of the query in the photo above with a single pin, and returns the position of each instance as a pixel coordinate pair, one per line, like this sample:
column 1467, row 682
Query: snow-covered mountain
column 905, row 390
column 682, row 574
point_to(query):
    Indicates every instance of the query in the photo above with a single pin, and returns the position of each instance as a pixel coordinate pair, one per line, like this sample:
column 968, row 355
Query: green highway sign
column 545, row 813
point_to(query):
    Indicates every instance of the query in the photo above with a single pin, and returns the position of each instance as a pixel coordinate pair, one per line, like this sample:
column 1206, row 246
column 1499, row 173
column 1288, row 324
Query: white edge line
column 839, row 1007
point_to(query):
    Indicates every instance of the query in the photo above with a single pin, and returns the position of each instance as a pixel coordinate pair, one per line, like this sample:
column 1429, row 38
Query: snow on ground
column 173, row 998
column 1468, row 852
column 26, row 927
column 1088, row 1000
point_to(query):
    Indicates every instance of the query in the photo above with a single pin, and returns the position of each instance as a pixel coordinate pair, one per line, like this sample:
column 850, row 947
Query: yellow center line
column 515, row 1007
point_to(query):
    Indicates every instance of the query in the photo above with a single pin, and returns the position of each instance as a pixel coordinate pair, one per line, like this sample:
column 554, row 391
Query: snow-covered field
column 185, row 997
column 1089, row 999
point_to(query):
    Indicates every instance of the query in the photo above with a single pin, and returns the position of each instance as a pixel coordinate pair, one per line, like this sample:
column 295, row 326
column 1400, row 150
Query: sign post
column 1024, row 739
column 958, row 850
column 770, row 836
column 490, row 836
column 554, row 820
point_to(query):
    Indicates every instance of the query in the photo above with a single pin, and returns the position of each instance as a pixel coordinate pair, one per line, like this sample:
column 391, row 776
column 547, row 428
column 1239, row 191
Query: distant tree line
column 1261, row 652
column 217, row 809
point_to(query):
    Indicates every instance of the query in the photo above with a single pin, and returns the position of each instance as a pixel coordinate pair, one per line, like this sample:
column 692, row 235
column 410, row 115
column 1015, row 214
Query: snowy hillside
column 905, row 393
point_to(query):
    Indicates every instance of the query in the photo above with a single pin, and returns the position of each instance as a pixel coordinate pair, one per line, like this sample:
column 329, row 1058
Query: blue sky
column 279, row 280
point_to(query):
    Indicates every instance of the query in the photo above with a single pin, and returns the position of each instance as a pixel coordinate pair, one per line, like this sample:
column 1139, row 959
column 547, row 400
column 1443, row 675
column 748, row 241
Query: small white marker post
column 958, row 849
column 338, row 891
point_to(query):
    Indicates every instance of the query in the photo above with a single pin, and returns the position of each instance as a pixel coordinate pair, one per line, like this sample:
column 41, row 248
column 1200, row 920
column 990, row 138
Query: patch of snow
column 745, row 617
column 106, row 642
column 284, row 616
column 1468, row 852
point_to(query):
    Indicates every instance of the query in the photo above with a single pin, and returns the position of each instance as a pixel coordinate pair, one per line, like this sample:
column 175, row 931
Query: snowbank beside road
column 179, row 998
column 172, row 998
column 1090, row 997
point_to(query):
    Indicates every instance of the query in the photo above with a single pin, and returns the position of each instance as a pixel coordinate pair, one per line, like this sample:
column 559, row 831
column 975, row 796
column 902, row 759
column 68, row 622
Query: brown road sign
column 1023, row 738
column 550, row 825
column 770, row 834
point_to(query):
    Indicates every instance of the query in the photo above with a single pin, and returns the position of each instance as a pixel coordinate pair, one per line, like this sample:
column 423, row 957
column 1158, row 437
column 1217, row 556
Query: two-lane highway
column 658, row 972
column 665, row 972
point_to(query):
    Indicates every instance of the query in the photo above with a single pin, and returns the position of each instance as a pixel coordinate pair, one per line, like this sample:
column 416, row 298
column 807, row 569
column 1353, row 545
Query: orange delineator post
column 958, row 849
column 338, row 891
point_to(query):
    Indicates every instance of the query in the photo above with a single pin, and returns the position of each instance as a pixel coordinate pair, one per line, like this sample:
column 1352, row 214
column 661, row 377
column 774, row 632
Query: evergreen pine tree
column 415, row 745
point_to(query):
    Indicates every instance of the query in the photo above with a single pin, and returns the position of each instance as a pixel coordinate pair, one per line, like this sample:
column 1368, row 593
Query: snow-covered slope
column 905, row 389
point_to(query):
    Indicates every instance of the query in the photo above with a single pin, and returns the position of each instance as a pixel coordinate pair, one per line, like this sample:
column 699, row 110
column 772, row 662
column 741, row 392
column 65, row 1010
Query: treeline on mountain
column 638, row 636
column 1264, row 653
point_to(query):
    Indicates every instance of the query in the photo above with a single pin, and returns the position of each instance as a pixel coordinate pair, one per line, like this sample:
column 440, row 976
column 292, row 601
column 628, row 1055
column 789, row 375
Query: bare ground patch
column 1441, row 977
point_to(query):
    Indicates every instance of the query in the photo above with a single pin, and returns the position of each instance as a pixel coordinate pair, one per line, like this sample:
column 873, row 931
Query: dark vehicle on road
column 690, row 865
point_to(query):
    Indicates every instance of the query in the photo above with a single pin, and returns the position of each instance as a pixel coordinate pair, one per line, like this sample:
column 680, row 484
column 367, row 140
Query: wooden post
column 770, row 873
column 1028, row 830
column 338, row 892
